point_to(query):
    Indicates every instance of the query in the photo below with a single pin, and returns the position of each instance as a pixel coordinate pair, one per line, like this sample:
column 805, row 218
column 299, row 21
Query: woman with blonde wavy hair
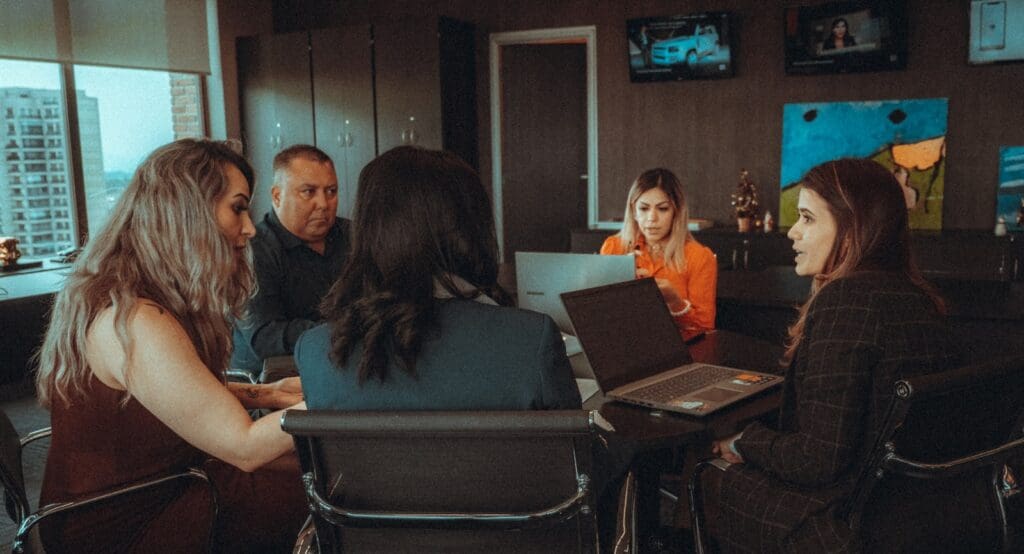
column 655, row 228
column 132, row 368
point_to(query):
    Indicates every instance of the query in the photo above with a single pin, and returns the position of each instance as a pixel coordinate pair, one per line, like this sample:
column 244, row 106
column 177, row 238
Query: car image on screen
column 687, row 49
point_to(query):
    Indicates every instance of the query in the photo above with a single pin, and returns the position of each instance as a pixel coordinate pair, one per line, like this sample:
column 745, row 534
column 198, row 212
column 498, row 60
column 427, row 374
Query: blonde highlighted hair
column 161, row 243
column 630, row 234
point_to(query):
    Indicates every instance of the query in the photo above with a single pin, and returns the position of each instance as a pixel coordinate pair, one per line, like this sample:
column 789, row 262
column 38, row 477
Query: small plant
column 744, row 200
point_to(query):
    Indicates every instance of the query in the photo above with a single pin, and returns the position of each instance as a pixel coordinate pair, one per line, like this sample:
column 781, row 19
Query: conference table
column 655, row 438
column 652, row 439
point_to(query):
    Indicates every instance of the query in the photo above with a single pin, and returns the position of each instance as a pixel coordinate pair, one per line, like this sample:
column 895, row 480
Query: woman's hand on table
column 289, row 391
column 725, row 449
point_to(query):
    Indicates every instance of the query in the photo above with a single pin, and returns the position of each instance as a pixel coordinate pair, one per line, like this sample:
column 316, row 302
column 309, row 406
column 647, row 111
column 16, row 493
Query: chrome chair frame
column 365, row 425
column 1003, row 376
column 27, row 539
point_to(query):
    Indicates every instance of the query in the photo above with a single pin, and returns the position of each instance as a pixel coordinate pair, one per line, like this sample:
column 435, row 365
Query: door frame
column 562, row 35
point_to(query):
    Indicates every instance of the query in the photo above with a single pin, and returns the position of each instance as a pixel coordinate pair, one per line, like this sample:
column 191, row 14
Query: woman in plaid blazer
column 871, row 319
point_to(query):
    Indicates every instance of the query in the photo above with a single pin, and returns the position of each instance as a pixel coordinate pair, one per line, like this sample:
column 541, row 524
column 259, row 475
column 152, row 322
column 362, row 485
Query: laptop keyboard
column 684, row 383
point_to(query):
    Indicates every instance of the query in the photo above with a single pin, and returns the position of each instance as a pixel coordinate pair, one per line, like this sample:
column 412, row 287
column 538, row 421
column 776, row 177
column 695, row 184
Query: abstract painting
column 1010, row 197
column 906, row 136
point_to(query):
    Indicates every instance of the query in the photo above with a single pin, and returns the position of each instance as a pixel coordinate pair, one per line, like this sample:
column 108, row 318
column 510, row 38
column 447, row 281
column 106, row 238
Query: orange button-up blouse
column 697, row 283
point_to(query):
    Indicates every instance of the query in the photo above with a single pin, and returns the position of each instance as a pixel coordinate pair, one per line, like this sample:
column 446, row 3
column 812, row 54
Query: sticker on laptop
column 692, row 405
column 751, row 379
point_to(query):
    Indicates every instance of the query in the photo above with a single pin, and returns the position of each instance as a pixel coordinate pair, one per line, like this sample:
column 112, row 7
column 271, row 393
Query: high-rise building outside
column 36, row 195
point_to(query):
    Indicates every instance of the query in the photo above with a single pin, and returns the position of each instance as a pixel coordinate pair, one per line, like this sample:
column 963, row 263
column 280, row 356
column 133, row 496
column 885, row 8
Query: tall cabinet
column 276, row 108
column 356, row 92
column 343, row 104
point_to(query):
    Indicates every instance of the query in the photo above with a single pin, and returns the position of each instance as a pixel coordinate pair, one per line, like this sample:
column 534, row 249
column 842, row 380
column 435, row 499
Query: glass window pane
column 35, row 182
column 123, row 115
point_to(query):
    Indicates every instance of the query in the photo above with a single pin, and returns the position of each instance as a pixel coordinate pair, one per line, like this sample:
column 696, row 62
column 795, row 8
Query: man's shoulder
column 266, row 239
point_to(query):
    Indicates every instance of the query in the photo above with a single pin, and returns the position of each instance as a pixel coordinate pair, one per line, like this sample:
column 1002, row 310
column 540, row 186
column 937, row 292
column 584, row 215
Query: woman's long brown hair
column 872, row 229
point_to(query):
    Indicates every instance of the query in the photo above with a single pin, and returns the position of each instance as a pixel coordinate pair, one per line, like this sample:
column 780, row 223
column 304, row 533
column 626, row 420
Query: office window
column 123, row 115
column 25, row 88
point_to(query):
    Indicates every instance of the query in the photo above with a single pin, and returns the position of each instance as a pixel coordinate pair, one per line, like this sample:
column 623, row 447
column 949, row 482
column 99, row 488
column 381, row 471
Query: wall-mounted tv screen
column 839, row 37
column 680, row 47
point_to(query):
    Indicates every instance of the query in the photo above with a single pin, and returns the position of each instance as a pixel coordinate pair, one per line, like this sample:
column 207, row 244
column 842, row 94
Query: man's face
column 305, row 197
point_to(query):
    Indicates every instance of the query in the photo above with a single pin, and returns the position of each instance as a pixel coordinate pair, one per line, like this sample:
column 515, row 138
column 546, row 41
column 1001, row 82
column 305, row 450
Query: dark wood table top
column 657, row 428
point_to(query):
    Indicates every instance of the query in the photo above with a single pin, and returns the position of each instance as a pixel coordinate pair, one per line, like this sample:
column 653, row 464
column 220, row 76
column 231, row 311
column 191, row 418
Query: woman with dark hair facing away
column 413, row 322
column 655, row 228
column 132, row 369
column 840, row 36
column 871, row 319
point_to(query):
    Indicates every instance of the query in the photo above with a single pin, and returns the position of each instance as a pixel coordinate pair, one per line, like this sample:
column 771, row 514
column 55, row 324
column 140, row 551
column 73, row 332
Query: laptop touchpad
column 716, row 394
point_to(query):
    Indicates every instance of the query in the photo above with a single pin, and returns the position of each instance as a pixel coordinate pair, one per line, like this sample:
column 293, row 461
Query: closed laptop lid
column 542, row 276
column 626, row 331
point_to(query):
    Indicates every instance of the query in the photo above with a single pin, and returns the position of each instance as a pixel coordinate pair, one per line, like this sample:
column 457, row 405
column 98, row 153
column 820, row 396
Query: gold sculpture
column 9, row 252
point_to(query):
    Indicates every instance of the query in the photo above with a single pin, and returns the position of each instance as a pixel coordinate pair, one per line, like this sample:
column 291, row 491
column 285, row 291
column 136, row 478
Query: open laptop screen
column 626, row 331
column 542, row 276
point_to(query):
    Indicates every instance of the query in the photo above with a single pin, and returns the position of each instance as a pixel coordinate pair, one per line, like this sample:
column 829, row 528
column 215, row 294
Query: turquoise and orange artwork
column 907, row 136
column 1010, row 196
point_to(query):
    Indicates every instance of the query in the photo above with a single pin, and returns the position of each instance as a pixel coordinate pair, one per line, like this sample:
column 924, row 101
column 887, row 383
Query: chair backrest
column 11, row 476
column 448, row 481
column 932, row 482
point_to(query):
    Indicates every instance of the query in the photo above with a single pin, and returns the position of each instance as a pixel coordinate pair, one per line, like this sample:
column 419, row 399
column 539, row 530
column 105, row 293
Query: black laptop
column 638, row 356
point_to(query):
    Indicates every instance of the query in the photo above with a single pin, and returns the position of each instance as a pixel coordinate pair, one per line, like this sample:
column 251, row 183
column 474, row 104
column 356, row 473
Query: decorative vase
column 743, row 224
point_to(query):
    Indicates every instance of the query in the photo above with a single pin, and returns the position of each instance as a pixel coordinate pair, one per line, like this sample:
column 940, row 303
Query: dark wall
column 707, row 131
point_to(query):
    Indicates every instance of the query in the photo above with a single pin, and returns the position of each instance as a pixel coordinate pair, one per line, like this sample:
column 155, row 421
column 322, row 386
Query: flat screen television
column 697, row 46
column 840, row 37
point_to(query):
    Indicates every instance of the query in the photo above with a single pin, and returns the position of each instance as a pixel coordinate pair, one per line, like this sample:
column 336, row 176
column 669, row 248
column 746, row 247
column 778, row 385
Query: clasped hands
column 283, row 393
column 289, row 391
column 723, row 449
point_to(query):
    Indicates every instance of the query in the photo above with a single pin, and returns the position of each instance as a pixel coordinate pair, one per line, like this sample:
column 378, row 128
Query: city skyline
column 130, row 126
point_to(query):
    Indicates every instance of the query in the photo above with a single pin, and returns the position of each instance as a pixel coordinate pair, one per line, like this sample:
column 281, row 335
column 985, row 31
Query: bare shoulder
column 152, row 331
column 146, row 318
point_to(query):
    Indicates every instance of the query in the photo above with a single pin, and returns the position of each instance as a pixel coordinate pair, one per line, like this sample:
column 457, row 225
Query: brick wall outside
column 185, row 105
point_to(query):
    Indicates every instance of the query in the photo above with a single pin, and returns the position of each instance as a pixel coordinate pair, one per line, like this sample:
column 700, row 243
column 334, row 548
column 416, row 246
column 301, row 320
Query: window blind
column 167, row 35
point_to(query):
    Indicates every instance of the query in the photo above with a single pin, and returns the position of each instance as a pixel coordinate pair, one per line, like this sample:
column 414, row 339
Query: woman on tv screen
column 840, row 36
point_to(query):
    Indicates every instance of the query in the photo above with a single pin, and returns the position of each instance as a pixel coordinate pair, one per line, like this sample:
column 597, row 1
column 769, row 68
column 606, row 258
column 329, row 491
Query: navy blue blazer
column 478, row 357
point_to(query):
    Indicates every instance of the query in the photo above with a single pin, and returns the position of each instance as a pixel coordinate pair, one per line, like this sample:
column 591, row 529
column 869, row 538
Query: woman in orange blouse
column 655, row 229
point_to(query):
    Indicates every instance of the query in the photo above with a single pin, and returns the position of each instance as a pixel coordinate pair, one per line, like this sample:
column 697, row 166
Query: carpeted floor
column 27, row 416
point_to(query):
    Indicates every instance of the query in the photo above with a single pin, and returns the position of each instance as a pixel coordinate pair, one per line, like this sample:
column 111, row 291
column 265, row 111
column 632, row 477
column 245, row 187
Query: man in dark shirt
column 298, row 252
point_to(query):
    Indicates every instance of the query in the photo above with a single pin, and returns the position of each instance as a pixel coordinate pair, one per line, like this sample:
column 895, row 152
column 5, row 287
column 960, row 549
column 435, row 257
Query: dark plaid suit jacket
column 862, row 334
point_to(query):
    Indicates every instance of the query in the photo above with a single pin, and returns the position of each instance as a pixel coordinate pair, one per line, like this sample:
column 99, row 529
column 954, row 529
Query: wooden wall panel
column 739, row 120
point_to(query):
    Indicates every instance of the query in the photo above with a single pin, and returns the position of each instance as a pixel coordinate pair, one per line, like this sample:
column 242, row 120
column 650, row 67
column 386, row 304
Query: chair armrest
column 26, row 541
column 276, row 368
column 568, row 508
column 951, row 468
column 697, row 501
column 35, row 435
column 240, row 376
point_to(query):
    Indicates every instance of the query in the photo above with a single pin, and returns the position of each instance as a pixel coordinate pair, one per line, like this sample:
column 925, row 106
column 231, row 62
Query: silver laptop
column 638, row 356
column 542, row 276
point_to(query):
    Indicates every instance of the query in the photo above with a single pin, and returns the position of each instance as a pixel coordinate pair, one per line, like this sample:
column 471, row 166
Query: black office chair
column 28, row 538
column 942, row 476
column 453, row 482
